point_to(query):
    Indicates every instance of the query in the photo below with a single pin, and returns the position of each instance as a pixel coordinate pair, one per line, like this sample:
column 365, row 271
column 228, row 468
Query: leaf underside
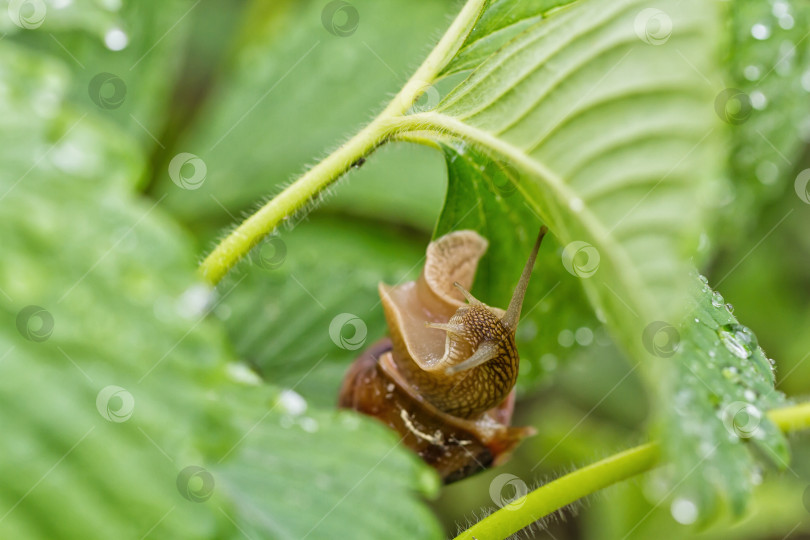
column 603, row 127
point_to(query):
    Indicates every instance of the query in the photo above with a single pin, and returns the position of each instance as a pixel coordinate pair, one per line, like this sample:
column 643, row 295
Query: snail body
column 445, row 378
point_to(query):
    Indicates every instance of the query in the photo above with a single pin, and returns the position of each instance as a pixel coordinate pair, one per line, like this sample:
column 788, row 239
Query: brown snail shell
column 445, row 379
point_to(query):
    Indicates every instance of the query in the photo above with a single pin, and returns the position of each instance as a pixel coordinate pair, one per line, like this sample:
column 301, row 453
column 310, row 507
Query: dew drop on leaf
column 752, row 72
column 310, row 425
column 717, row 299
column 548, row 361
column 780, row 8
column 738, row 339
column 684, row 511
column 292, row 402
column 566, row 338
column 584, row 336
column 760, row 31
column 758, row 100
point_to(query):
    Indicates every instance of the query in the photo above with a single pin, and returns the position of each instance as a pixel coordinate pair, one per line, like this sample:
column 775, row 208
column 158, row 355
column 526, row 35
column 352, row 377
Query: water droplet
column 697, row 320
column 752, row 72
column 806, row 80
column 584, row 336
column 292, row 402
column 310, row 425
column 111, row 5
column 116, row 39
column 750, row 395
column 780, row 8
column 758, row 100
column 756, row 476
column 239, row 372
column 767, row 172
column 712, row 354
column 704, row 242
column 576, row 204
column 73, row 159
column 717, row 299
column 787, row 57
column 730, row 308
column 61, row 4
column 704, row 279
column 730, row 372
column 548, row 361
column 194, row 300
column 684, row 511
column 566, row 338
column 786, row 22
column 739, row 340
column 760, row 31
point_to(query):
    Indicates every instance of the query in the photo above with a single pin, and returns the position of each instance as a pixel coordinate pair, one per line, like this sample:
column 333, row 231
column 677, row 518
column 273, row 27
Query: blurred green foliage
column 94, row 230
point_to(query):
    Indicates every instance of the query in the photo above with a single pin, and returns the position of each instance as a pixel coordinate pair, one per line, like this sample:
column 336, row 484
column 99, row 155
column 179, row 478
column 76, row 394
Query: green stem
column 555, row 495
column 298, row 194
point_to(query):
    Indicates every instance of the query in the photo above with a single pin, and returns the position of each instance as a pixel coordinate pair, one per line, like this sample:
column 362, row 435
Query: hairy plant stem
column 296, row 196
column 561, row 492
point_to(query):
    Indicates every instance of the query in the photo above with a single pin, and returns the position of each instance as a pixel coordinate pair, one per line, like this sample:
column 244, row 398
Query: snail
column 444, row 379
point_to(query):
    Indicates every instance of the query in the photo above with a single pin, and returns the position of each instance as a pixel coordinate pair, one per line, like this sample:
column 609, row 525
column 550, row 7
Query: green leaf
column 125, row 57
column 715, row 397
column 764, row 107
column 286, row 334
column 500, row 21
column 326, row 475
column 115, row 382
column 290, row 92
column 607, row 122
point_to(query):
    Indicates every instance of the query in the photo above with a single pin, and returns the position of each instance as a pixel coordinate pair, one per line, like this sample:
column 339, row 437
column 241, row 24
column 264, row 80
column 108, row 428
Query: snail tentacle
column 486, row 351
column 473, row 301
column 457, row 329
column 512, row 316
